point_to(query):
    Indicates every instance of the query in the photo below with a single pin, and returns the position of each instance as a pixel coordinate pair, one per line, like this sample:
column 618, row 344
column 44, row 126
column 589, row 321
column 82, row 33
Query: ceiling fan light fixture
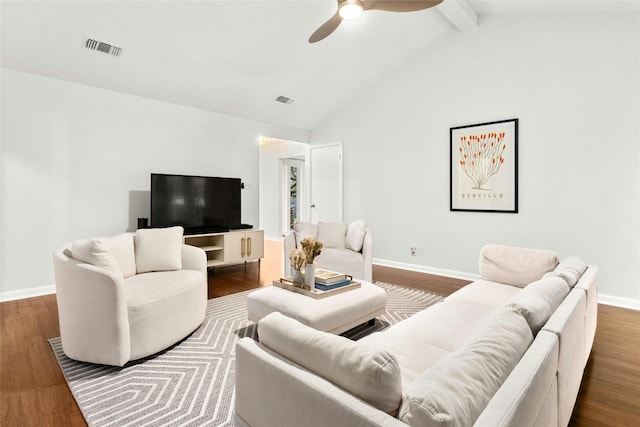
column 351, row 9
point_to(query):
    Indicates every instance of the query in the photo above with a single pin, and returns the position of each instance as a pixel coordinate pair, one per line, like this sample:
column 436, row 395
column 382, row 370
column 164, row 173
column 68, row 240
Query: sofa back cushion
column 570, row 269
column 515, row 266
column 158, row 249
column 332, row 234
column 370, row 374
column 455, row 390
column 304, row 229
column 538, row 300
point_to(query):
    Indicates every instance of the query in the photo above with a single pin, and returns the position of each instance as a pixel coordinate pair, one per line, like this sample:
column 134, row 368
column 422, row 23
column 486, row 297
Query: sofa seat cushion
column 446, row 325
column 457, row 389
column 163, row 307
column 369, row 373
column 485, row 292
column 515, row 266
column 414, row 355
column 342, row 260
column 538, row 300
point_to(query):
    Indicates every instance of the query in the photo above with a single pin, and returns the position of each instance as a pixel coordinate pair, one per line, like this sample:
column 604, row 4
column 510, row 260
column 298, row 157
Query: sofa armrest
column 297, row 397
column 289, row 242
column 92, row 311
column 367, row 253
column 194, row 258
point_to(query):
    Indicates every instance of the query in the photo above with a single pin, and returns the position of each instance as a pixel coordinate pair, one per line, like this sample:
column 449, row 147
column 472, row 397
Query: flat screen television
column 200, row 204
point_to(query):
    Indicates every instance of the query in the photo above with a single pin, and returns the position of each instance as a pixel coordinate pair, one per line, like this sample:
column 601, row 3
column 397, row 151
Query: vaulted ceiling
column 236, row 57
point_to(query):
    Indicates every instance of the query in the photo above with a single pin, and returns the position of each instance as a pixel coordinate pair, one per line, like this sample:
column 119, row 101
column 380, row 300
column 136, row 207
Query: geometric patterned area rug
column 192, row 382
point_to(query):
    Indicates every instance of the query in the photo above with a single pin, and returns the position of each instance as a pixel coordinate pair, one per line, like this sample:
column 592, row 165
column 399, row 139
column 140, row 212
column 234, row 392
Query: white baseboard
column 631, row 303
column 602, row 299
column 426, row 269
column 27, row 293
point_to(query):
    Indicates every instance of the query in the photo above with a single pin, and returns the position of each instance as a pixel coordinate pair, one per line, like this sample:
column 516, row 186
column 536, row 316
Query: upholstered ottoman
column 335, row 313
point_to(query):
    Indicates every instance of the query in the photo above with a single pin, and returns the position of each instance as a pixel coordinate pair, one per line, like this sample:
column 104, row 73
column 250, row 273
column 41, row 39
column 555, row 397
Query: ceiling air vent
column 103, row 47
column 284, row 99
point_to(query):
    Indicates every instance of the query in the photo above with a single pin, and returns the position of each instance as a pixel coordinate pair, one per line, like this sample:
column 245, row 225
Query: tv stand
column 231, row 247
column 241, row 227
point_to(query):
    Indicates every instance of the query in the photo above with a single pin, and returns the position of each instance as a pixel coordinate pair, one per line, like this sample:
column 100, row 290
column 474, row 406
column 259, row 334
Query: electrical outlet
column 413, row 249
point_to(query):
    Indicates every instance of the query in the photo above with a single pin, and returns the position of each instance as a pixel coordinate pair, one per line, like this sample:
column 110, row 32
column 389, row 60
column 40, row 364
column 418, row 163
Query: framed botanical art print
column 484, row 167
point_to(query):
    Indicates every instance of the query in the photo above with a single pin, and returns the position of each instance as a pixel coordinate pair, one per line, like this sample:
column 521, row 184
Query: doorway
column 292, row 192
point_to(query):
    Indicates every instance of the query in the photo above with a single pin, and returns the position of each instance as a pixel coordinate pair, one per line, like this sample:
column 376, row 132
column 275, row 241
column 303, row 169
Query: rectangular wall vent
column 284, row 99
column 103, row 47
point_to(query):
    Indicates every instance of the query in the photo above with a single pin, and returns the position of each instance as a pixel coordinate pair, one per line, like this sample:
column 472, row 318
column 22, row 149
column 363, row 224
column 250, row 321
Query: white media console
column 232, row 247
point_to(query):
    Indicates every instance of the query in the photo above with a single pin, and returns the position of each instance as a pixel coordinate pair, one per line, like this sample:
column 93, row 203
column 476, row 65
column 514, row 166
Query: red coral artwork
column 484, row 167
column 481, row 156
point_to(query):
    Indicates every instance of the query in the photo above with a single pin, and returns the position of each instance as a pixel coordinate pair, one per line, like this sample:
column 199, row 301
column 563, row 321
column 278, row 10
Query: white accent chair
column 119, row 301
column 347, row 247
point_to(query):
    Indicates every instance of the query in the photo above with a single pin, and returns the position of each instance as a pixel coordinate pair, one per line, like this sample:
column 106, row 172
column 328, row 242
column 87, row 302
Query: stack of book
column 327, row 280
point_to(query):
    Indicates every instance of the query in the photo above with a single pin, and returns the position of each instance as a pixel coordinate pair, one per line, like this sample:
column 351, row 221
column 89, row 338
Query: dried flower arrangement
column 296, row 257
column 311, row 248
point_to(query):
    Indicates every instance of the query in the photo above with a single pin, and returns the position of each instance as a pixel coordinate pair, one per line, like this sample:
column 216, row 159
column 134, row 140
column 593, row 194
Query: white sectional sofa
column 507, row 350
column 347, row 247
column 128, row 296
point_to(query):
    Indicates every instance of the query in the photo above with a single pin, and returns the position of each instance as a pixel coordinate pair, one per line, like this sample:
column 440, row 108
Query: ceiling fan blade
column 326, row 28
column 400, row 5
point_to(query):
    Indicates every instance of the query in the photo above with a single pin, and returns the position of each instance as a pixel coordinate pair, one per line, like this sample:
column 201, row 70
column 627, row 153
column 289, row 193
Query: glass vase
column 297, row 276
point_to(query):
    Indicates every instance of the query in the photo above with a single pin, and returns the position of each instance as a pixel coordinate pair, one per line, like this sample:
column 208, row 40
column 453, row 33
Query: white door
column 326, row 182
column 292, row 192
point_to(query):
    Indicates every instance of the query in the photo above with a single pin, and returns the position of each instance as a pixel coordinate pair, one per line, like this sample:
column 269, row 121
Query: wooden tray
column 301, row 288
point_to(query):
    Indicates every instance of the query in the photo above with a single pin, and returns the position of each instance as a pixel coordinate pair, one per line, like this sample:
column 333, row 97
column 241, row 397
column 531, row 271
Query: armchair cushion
column 332, row 234
column 158, row 249
column 121, row 246
column 115, row 254
column 355, row 235
column 95, row 252
column 304, row 229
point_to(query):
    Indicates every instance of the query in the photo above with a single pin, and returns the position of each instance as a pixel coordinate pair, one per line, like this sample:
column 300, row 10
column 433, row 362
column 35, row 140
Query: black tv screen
column 200, row 204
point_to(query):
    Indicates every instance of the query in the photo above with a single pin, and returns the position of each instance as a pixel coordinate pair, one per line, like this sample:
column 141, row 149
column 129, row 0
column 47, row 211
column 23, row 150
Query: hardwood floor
column 33, row 391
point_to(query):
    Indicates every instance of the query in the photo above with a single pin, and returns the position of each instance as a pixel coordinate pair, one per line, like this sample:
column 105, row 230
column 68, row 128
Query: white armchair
column 119, row 302
column 347, row 248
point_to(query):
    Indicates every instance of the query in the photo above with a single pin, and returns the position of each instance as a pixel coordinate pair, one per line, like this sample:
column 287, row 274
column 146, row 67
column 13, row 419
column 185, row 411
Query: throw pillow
column 158, row 249
column 371, row 374
column 121, row 246
column 455, row 390
column 355, row 235
column 539, row 300
column 304, row 229
column 515, row 266
column 94, row 252
column 332, row 234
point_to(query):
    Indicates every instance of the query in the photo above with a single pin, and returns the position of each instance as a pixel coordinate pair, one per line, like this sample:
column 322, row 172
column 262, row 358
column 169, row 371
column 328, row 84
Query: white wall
column 573, row 82
column 76, row 162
